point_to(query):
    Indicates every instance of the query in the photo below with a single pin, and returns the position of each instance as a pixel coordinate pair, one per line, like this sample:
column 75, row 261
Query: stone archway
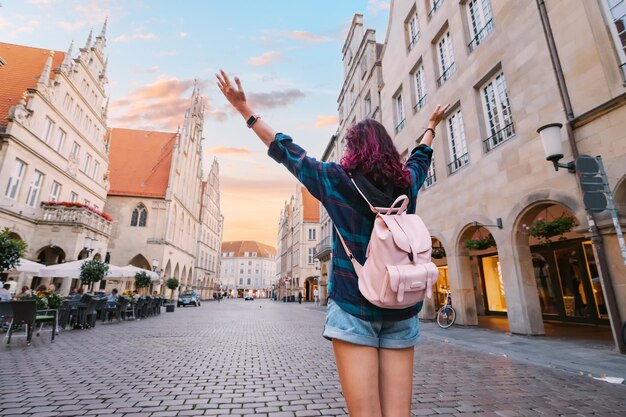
column 50, row 255
column 439, row 257
column 140, row 261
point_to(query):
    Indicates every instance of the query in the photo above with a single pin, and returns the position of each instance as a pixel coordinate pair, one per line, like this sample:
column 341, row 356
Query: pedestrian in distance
column 13, row 285
column 373, row 346
column 316, row 296
column 300, row 297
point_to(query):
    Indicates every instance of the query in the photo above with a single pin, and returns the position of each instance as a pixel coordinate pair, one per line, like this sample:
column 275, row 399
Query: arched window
column 140, row 216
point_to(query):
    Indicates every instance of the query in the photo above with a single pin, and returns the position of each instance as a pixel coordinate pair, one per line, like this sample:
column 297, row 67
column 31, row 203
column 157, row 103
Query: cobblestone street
column 267, row 359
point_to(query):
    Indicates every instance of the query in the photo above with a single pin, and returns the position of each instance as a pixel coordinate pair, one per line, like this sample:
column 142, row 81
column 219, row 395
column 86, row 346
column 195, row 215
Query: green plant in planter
column 142, row 280
column 481, row 243
column 11, row 250
column 544, row 230
column 92, row 271
column 438, row 252
column 172, row 284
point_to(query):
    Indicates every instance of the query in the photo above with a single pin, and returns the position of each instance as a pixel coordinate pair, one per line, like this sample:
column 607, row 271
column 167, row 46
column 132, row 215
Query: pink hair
column 370, row 151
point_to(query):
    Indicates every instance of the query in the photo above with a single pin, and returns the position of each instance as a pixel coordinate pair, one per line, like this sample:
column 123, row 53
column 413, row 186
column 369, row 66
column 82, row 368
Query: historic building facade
column 489, row 183
column 54, row 151
column 210, row 233
column 247, row 267
column 155, row 199
column 298, row 237
column 358, row 99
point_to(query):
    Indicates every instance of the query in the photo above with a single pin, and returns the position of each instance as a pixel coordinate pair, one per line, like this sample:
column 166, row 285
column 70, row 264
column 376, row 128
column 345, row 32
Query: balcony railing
column 447, row 73
column 400, row 126
column 430, row 180
column 420, row 103
column 482, row 34
column 323, row 248
column 413, row 41
column 75, row 216
column 458, row 163
column 623, row 68
column 436, row 5
column 499, row 137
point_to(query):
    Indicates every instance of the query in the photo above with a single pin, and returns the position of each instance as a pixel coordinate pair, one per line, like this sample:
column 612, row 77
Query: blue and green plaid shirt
column 331, row 185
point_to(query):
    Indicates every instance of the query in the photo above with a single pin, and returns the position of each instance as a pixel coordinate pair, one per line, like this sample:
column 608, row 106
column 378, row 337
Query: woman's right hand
column 437, row 115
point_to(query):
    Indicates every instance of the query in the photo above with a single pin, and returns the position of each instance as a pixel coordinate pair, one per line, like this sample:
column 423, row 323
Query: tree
column 11, row 250
column 172, row 284
column 142, row 280
column 92, row 271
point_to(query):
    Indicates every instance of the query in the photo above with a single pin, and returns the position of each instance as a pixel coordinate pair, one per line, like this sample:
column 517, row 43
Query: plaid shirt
column 331, row 185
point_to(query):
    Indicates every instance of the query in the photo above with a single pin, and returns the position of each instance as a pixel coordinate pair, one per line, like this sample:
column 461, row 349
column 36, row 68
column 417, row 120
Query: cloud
column 223, row 150
column 159, row 106
column 275, row 99
column 323, row 121
column 3, row 22
column 71, row 26
column 40, row 2
column 153, row 69
column 183, row 34
column 28, row 27
column 307, row 37
column 376, row 6
column 265, row 59
column 168, row 53
column 137, row 34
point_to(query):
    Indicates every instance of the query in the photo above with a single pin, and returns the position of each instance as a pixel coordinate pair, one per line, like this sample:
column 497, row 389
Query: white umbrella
column 64, row 270
column 134, row 270
column 116, row 272
column 27, row 266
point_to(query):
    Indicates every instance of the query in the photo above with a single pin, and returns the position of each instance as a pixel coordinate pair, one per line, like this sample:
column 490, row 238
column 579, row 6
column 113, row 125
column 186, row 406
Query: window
column 400, row 119
column 368, row 105
column 96, row 169
column 434, row 6
column 446, row 59
column 240, row 281
column 456, row 142
column 311, row 255
column 87, row 164
column 248, row 281
column 86, row 202
column 60, row 140
column 75, row 152
column 15, row 180
column 139, row 216
column 55, row 191
column 33, row 190
column 312, row 234
column 617, row 10
column 498, row 119
column 413, row 30
column 47, row 130
column 431, row 175
column 241, row 271
column 480, row 21
column 420, row 89
column 73, row 197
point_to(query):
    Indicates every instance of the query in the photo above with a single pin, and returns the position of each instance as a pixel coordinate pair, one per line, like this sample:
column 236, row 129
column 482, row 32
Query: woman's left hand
column 235, row 95
column 437, row 115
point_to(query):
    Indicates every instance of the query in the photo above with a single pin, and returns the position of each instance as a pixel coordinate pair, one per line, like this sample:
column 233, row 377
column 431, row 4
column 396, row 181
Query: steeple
column 103, row 74
column 88, row 43
column 105, row 111
column 67, row 61
column 45, row 75
column 101, row 41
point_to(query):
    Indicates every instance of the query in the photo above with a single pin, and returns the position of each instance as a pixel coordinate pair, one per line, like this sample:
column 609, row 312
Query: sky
column 287, row 54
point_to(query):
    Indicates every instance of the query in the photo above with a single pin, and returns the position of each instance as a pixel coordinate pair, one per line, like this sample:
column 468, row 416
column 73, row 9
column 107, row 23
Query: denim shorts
column 379, row 334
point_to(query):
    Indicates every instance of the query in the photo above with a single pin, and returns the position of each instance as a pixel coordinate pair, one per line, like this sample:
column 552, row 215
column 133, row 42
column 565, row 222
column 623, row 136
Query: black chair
column 139, row 308
column 6, row 312
column 88, row 316
column 122, row 305
column 47, row 316
column 101, row 308
column 24, row 313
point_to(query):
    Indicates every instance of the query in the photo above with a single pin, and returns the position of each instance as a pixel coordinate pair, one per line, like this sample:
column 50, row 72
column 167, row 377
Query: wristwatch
column 252, row 120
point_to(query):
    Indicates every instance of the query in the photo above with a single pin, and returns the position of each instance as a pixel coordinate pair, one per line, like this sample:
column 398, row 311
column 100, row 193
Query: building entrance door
column 494, row 297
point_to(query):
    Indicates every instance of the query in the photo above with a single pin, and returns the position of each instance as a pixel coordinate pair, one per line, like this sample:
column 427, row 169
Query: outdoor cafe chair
column 122, row 305
column 49, row 316
column 138, row 308
column 23, row 313
column 5, row 312
column 88, row 316
column 100, row 309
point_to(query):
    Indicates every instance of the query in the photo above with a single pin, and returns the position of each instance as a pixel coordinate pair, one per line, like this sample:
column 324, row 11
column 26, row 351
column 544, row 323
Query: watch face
column 251, row 120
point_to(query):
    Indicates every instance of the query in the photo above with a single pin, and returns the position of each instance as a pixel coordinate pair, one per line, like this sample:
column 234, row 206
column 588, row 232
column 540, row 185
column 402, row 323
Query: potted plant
column 142, row 280
column 92, row 271
column 172, row 284
column 544, row 230
column 11, row 250
column 438, row 252
column 481, row 243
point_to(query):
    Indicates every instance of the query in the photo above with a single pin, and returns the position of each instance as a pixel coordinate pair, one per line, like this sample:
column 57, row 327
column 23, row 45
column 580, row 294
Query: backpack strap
column 355, row 263
column 403, row 199
column 374, row 210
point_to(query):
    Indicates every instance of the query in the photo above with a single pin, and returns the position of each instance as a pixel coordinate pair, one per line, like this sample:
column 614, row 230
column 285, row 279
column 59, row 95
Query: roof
column 23, row 66
column 240, row 247
column 146, row 176
column 310, row 207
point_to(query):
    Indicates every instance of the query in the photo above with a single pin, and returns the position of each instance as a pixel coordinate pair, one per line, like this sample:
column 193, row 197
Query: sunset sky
column 287, row 54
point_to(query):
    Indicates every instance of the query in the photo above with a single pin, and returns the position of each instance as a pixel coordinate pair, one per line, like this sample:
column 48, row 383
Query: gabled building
column 247, row 267
column 54, row 151
column 155, row 196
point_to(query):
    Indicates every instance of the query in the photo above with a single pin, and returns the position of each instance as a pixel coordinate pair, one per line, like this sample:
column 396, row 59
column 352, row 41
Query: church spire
column 88, row 43
column 101, row 40
column 45, row 75
column 67, row 61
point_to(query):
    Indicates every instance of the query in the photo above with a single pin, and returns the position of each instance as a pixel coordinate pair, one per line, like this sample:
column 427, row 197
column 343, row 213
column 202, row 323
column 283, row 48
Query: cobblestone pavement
column 266, row 359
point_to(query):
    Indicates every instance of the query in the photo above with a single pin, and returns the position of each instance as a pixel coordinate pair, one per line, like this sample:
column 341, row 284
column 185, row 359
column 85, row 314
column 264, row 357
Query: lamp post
column 596, row 198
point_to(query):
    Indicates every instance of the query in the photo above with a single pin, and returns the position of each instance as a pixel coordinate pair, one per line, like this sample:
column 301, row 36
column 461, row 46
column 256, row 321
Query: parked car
column 248, row 297
column 189, row 298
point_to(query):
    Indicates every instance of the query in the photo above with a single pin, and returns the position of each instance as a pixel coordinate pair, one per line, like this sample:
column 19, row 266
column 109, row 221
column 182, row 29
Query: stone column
column 462, row 285
column 65, row 286
column 520, row 288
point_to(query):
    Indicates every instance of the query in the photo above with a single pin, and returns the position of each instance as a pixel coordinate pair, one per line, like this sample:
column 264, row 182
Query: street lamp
column 553, row 147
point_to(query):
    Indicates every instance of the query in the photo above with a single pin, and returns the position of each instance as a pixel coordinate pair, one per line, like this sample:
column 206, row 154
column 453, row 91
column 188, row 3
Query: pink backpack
column 398, row 271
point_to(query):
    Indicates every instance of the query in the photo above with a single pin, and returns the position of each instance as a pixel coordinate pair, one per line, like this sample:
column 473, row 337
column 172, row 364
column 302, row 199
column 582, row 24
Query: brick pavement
column 266, row 359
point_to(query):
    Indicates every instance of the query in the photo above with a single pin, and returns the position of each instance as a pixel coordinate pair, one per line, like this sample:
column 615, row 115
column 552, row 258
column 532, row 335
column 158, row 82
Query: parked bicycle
column 446, row 314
